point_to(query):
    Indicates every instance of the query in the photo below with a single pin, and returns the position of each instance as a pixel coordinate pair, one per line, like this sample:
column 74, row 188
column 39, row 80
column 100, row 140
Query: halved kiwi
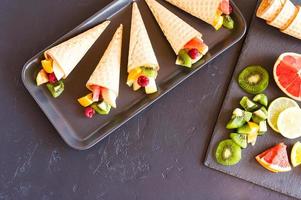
column 253, row 79
column 228, row 153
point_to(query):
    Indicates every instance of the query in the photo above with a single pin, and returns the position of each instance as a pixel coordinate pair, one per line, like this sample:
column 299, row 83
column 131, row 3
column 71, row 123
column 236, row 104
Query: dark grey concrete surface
column 157, row 155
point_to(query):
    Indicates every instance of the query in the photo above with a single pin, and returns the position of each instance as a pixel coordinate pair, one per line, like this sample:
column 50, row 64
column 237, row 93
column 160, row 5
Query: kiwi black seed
column 254, row 79
column 228, row 153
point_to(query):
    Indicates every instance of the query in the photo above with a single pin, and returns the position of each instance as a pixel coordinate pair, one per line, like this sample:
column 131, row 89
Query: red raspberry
column 89, row 112
column 52, row 78
column 193, row 53
column 143, row 81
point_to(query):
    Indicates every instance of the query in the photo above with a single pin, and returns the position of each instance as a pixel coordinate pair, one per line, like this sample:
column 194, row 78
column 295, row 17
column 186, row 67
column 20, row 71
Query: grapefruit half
column 287, row 74
column 275, row 159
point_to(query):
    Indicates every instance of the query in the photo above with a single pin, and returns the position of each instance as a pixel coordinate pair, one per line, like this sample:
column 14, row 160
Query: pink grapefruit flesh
column 287, row 74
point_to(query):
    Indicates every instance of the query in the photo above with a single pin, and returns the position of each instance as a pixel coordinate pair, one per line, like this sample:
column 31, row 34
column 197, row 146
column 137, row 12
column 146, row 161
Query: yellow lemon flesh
column 296, row 154
column 218, row 22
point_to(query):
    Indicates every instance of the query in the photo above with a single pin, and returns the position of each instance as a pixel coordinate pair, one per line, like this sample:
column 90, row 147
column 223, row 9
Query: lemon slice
column 289, row 123
column 296, row 154
column 276, row 107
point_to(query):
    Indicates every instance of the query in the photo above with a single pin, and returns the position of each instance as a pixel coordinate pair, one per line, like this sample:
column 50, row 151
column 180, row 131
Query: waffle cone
column 285, row 16
column 268, row 9
column 69, row 53
column 205, row 10
column 177, row 32
column 107, row 71
column 294, row 28
column 141, row 52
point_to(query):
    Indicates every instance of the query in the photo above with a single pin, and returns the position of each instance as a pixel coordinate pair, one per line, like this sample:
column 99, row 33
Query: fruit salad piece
column 260, row 115
column 275, row 159
column 143, row 77
column 276, row 107
column 287, row 74
column 42, row 77
column 228, row 153
column 247, row 104
column 101, row 108
column 86, row 100
column 47, row 66
column 56, row 89
column 251, row 129
column 192, row 52
column 239, row 139
column 96, row 91
column 262, row 99
column 296, row 154
column 254, row 79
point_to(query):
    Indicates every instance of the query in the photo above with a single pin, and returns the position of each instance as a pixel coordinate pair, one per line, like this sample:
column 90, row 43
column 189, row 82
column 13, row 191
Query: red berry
column 52, row 78
column 89, row 112
column 143, row 81
column 193, row 53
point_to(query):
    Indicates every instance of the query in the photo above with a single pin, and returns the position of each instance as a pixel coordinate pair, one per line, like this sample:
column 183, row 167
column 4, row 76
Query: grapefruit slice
column 287, row 74
column 275, row 159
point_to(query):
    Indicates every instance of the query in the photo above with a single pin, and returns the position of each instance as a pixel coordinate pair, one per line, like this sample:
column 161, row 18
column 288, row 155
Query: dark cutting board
column 262, row 46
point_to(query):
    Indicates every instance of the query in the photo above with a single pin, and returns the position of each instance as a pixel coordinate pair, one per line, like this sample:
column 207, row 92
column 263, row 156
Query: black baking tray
column 262, row 46
column 66, row 114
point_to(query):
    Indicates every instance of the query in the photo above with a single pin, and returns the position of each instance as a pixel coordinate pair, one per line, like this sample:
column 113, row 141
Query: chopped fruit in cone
column 141, row 77
column 109, row 97
column 151, row 87
column 262, row 99
column 101, row 108
column 52, row 78
column 225, row 7
column 96, row 90
column 47, row 66
column 296, row 154
column 247, row 104
column 275, row 159
column 198, row 44
column 184, row 59
column 253, row 79
column 228, row 153
column 56, row 89
column 143, row 81
column 193, row 53
column 228, row 22
column 136, row 86
column 89, row 112
column 133, row 76
column 289, row 123
column 86, row 100
column 287, row 74
column 277, row 107
column 42, row 77
column 218, row 22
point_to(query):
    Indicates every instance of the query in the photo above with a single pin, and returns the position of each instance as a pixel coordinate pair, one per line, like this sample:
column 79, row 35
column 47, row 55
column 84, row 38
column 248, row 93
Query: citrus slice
column 276, row 107
column 296, row 154
column 289, row 123
column 86, row 100
column 275, row 159
column 287, row 74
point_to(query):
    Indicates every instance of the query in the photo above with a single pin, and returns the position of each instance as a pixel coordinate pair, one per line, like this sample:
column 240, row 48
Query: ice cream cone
column 177, row 31
column 68, row 54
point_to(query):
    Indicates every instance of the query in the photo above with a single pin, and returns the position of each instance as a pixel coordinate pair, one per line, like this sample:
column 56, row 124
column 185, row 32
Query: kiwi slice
column 228, row 153
column 239, row 139
column 235, row 122
column 254, row 79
